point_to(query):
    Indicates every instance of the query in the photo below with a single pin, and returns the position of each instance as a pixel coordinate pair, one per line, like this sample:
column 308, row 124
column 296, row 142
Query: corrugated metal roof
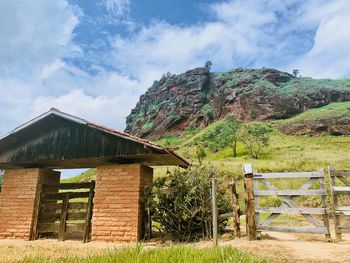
column 114, row 132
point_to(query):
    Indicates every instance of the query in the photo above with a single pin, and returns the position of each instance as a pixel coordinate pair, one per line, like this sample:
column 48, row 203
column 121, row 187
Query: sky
column 94, row 58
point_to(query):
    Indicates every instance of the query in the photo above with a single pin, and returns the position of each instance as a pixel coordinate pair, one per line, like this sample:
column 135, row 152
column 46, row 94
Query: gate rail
column 64, row 210
column 340, row 186
column 290, row 205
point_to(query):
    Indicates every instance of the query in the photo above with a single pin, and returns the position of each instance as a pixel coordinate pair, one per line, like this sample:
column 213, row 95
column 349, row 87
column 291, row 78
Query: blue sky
column 95, row 58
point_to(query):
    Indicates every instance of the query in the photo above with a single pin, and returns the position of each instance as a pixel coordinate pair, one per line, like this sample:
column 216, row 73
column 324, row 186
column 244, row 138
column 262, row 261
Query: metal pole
column 215, row 212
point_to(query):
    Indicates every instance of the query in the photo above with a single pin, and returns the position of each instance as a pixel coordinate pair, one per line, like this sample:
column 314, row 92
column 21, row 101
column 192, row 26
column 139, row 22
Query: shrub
column 200, row 154
column 181, row 203
column 148, row 125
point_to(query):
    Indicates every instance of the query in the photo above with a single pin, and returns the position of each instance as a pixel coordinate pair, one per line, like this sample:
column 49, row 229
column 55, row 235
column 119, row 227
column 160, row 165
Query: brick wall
column 18, row 200
column 117, row 213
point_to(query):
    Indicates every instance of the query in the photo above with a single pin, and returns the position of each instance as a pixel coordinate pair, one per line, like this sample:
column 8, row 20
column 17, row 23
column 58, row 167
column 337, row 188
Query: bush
column 181, row 203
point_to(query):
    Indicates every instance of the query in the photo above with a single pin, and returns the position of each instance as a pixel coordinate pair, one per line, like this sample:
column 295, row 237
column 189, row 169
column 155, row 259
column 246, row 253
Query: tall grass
column 174, row 254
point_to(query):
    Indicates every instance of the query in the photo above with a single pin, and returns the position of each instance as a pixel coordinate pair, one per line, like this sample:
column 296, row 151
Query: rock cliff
column 199, row 97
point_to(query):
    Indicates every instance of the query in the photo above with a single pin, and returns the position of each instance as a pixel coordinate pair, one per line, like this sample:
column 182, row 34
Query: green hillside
column 284, row 153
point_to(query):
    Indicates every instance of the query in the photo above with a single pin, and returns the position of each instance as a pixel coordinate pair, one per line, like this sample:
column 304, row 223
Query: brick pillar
column 117, row 214
column 18, row 199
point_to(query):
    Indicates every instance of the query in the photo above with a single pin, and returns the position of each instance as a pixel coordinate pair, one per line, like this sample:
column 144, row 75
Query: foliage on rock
column 181, row 203
column 198, row 97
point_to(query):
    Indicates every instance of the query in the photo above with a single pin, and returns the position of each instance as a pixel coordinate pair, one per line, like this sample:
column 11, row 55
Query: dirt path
column 284, row 247
column 280, row 247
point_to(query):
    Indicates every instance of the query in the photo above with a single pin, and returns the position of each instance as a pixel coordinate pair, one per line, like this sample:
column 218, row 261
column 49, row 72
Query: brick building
column 56, row 140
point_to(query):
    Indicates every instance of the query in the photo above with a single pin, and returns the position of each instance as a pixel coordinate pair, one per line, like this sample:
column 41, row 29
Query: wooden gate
column 64, row 211
column 340, row 189
column 314, row 186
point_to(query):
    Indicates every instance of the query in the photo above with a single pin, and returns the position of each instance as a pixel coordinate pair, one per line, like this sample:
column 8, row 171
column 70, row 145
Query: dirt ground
column 279, row 247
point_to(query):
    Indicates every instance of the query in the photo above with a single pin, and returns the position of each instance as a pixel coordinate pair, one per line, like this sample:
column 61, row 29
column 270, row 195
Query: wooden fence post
column 249, row 200
column 236, row 210
column 215, row 212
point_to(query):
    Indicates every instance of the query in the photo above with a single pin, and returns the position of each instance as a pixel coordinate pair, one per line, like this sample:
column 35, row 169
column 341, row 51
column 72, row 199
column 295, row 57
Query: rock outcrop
column 198, row 97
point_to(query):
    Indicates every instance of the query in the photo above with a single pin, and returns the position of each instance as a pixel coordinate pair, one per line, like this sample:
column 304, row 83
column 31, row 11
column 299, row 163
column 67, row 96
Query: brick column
column 117, row 213
column 18, row 199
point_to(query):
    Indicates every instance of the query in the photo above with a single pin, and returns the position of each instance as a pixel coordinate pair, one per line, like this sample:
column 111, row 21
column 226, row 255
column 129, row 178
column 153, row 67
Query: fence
column 340, row 187
column 314, row 186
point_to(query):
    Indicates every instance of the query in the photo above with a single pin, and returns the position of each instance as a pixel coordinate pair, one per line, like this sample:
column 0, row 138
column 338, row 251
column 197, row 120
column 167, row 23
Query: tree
column 229, row 135
column 255, row 137
column 224, row 134
column 208, row 64
column 295, row 72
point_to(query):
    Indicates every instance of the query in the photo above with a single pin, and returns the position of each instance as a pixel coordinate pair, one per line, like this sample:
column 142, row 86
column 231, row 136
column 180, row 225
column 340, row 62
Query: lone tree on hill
column 296, row 72
column 255, row 137
column 208, row 64
column 229, row 133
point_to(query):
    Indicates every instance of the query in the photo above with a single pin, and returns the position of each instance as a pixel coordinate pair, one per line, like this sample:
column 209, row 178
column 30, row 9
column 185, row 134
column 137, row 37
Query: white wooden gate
column 314, row 186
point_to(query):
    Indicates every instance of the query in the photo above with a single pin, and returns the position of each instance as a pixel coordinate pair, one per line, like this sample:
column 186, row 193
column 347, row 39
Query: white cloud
column 330, row 55
column 34, row 34
column 105, row 99
column 37, row 36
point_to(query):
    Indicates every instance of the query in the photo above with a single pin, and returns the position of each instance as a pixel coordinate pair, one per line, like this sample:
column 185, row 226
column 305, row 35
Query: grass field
column 174, row 254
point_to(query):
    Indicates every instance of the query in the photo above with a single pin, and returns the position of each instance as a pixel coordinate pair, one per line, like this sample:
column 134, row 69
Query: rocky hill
column 198, row 97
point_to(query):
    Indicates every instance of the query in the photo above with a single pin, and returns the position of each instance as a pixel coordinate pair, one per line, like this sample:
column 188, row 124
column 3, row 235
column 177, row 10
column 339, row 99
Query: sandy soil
column 279, row 247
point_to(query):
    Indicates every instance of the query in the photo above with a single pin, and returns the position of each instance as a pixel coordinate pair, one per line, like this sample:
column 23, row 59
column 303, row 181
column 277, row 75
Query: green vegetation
column 180, row 203
column 148, row 125
column 200, row 154
column 138, row 254
column 333, row 110
column 208, row 111
column 255, row 136
column 87, row 176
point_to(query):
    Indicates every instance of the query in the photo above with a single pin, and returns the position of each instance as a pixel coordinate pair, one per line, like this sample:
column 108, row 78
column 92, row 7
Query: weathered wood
column 291, row 192
column 76, row 216
column 288, row 175
column 214, row 212
column 236, row 210
column 62, row 196
column 337, row 173
column 87, row 227
column 75, row 227
column 48, row 227
column 325, row 215
column 285, row 210
column 341, row 190
column 290, row 206
column 336, row 191
column 34, row 229
column 78, row 206
column 57, row 207
column 63, row 217
column 290, row 201
column 312, row 230
column 64, row 186
column 250, row 209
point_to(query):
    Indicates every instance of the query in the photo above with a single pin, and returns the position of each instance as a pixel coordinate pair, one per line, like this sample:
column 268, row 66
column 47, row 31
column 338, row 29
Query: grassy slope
column 333, row 110
column 285, row 153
